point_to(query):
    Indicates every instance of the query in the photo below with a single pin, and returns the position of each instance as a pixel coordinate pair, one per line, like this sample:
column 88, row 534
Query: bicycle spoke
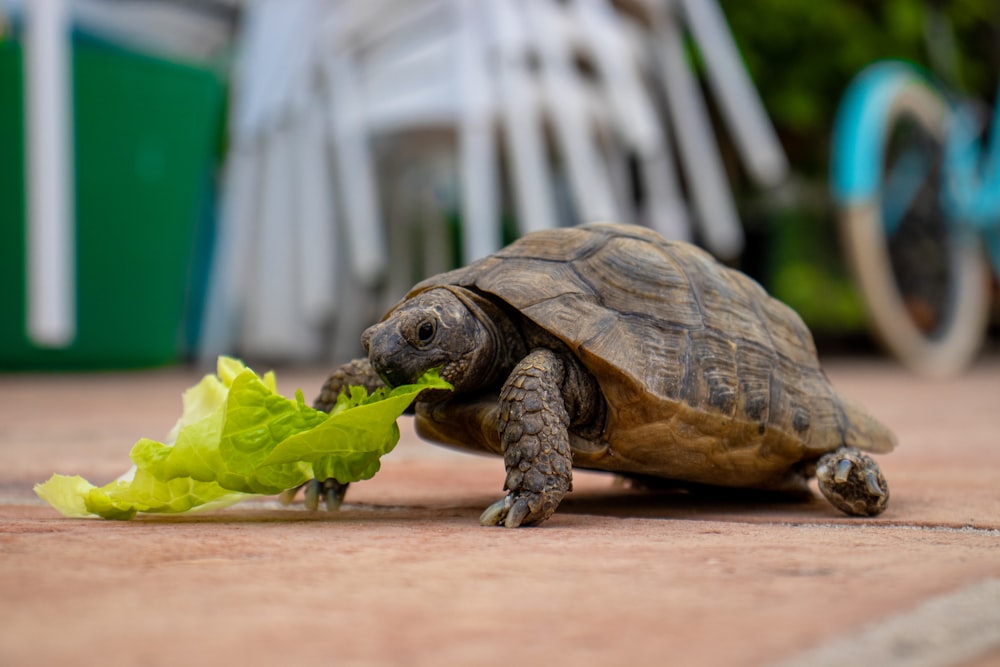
column 902, row 184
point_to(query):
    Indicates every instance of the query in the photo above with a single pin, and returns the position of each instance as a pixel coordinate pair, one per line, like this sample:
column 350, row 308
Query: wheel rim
column 922, row 254
column 922, row 279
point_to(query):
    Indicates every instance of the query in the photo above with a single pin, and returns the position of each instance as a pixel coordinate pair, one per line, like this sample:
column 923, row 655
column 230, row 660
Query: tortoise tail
column 863, row 431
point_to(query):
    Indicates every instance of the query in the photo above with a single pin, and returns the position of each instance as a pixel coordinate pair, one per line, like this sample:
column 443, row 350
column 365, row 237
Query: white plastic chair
column 271, row 275
column 742, row 109
column 576, row 114
column 616, row 48
column 402, row 67
column 711, row 195
column 302, row 234
column 359, row 121
column 51, row 317
column 521, row 113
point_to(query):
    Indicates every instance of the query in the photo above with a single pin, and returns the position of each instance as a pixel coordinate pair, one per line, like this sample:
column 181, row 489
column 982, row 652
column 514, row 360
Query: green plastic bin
column 146, row 138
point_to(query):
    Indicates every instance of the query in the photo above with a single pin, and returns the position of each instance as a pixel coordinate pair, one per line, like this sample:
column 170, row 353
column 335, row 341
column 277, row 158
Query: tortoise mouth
column 391, row 373
column 392, row 357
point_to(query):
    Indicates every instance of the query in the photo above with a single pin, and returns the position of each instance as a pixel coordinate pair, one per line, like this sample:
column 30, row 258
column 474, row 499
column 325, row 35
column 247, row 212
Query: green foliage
column 802, row 55
column 806, row 273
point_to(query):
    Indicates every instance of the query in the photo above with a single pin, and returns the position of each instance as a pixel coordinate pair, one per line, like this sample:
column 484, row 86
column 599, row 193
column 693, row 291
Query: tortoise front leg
column 534, row 436
column 357, row 373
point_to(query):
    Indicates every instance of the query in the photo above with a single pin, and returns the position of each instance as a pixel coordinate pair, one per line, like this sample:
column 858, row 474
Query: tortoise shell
column 706, row 378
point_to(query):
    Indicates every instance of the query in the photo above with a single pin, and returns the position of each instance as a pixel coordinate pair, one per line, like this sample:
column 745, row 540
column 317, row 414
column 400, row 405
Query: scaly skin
column 545, row 393
column 852, row 482
column 534, row 434
column 354, row 373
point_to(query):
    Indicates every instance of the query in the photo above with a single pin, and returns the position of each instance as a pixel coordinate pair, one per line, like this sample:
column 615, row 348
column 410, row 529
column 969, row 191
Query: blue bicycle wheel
column 923, row 276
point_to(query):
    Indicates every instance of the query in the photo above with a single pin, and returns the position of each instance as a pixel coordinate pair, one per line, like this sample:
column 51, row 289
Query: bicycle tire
column 952, row 343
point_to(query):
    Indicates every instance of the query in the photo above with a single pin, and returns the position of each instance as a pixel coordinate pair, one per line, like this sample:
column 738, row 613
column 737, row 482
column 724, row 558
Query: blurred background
column 186, row 178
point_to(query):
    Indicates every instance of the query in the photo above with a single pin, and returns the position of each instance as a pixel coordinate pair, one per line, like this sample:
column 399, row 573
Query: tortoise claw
column 287, row 496
column 495, row 513
column 512, row 511
column 333, row 494
column 871, row 481
column 852, row 482
column 843, row 471
column 330, row 492
column 517, row 513
column 312, row 488
column 331, row 500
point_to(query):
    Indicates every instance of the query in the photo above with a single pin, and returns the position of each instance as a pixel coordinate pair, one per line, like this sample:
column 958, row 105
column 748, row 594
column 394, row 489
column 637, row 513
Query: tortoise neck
column 503, row 344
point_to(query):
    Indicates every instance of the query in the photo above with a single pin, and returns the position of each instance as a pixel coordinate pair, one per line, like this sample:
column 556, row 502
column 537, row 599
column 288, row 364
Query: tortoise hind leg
column 852, row 482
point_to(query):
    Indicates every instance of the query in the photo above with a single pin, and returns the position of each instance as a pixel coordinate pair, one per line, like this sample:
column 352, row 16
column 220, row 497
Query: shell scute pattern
column 692, row 357
column 523, row 276
column 665, row 317
column 634, row 277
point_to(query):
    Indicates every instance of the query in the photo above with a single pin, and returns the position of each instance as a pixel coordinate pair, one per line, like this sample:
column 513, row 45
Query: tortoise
column 607, row 347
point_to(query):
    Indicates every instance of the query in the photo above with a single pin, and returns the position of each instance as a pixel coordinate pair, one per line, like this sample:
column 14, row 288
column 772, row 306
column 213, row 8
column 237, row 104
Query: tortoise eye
column 425, row 332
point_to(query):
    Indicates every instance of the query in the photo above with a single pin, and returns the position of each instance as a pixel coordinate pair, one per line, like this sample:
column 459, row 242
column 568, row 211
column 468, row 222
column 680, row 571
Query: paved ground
column 404, row 575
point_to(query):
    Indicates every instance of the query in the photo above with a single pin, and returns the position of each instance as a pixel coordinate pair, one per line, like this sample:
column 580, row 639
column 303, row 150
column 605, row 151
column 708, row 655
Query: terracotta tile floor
column 404, row 575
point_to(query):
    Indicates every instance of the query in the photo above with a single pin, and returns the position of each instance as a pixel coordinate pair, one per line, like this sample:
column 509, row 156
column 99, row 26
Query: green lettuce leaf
column 238, row 436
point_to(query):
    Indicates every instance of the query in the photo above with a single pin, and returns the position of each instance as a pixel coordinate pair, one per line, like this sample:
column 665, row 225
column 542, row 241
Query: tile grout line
column 934, row 528
column 943, row 631
column 265, row 501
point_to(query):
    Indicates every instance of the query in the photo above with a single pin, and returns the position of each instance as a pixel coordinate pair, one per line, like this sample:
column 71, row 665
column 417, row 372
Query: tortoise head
column 450, row 328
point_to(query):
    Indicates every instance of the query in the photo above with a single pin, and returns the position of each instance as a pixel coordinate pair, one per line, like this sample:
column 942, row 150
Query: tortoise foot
column 520, row 508
column 330, row 491
column 852, row 482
